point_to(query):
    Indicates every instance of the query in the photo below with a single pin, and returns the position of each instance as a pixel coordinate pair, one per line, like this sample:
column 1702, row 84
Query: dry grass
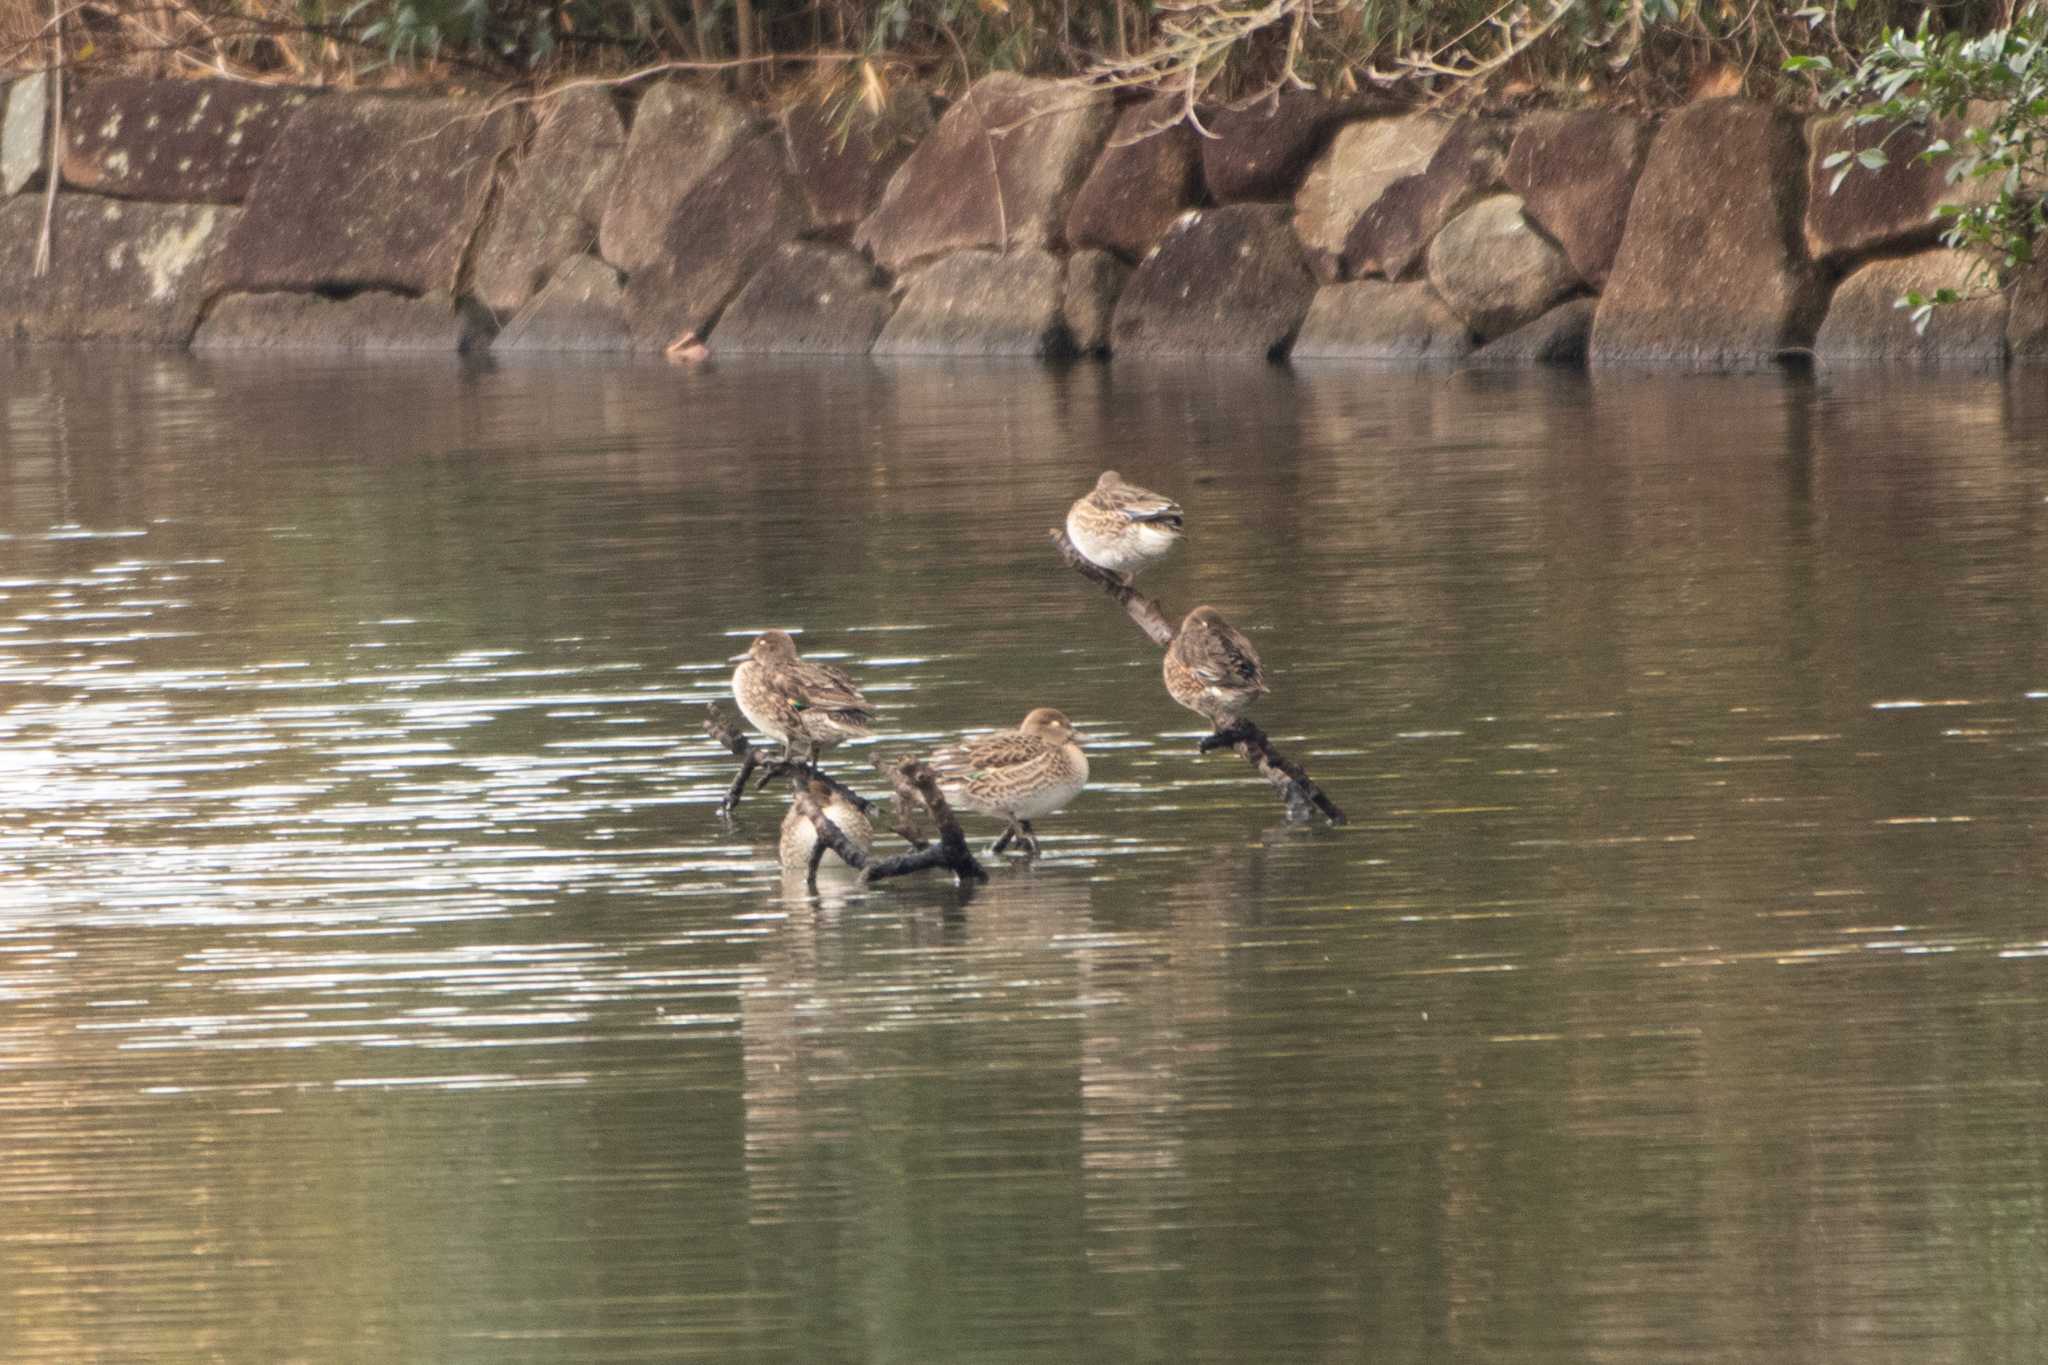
column 1642, row 52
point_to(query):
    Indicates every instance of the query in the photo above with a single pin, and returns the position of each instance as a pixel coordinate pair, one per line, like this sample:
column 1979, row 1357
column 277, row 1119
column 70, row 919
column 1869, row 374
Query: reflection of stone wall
column 1027, row 217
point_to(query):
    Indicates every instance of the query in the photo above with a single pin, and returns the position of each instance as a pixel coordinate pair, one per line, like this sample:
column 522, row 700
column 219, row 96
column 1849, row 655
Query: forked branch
column 915, row 784
column 771, row 764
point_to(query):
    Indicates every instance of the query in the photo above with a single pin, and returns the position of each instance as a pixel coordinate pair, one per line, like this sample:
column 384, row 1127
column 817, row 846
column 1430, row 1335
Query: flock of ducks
column 1015, row 775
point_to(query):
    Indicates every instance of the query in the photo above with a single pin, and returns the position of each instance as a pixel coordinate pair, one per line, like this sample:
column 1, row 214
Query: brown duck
column 1212, row 669
column 808, row 706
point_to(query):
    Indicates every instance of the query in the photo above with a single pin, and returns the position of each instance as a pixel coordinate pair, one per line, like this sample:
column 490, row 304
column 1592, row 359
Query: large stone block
column 581, row 307
column 24, row 130
column 1000, row 170
column 551, row 206
column 1711, row 269
column 723, row 231
column 1886, row 209
column 1263, row 151
column 1095, row 281
column 1559, row 337
column 680, row 134
column 1494, row 270
column 1148, row 175
column 373, row 320
column 368, row 191
column 981, row 303
column 843, row 164
column 1576, row 173
column 1373, row 320
column 119, row 271
column 1390, row 236
column 1865, row 324
column 2026, row 329
column 811, row 298
column 1226, row 281
column 1362, row 161
column 180, row 141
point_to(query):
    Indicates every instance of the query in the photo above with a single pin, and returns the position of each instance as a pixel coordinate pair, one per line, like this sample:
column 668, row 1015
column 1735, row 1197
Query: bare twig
column 667, row 68
column 53, row 170
column 995, row 165
column 1293, row 783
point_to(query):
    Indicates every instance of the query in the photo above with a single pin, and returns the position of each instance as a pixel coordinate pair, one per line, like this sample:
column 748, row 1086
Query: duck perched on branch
column 1212, row 669
column 1015, row 775
column 1121, row 527
column 808, row 706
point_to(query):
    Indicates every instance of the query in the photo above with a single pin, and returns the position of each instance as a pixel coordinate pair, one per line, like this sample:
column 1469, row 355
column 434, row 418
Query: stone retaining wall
column 1026, row 219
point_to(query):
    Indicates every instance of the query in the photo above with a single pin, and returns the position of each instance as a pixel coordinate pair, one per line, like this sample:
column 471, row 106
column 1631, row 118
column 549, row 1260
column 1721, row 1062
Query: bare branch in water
column 950, row 852
column 830, row 836
column 915, row 785
column 721, row 727
column 1151, row 618
column 1295, row 786
column 1289, row 778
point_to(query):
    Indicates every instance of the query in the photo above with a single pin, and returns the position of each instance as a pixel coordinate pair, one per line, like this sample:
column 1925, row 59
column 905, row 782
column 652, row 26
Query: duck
column 1015, row 775
column 800, row 836
column 1121, row 527
column 1212, row 669
column 808, row 706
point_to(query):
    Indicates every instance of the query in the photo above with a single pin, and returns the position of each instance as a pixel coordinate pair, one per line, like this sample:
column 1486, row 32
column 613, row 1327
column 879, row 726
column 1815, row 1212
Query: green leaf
column 1873, row 158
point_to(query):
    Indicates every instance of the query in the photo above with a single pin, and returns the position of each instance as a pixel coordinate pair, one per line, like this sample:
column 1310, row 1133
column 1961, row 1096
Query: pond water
column 379, row 982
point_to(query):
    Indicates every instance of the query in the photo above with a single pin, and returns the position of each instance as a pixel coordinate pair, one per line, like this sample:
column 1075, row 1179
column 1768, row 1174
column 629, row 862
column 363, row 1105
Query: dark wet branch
column 1289, row 778
column 951, row 852
column 1295, row 786
column 908, row 801
column 916, row 788
column 1151, row 618
column 830, row 836
column 771, row 763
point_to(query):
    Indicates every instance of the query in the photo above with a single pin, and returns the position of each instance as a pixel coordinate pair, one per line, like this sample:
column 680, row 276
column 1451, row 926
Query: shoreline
column 1023, row 221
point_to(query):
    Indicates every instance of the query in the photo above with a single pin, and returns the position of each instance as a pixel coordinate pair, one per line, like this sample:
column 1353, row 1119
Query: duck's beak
column 740, row 657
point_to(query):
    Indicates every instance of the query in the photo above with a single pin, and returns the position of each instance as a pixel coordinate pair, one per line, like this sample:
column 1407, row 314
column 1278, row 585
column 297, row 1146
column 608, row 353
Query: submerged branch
column 1289, row 778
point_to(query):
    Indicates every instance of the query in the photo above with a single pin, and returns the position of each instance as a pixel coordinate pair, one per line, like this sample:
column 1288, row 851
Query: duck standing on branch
column 808, row 706
column 1212, row 669
column 1015, row 775
column 1121, row 527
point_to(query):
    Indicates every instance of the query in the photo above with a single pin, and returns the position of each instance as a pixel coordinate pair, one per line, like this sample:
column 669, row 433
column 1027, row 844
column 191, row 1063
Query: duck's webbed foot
column 995, row 850
column 1027, row 839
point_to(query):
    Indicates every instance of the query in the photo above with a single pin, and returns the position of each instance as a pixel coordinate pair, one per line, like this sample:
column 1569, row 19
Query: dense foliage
column 1996, row 83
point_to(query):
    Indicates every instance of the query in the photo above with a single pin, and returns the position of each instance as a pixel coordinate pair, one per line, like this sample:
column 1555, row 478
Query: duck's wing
column 821, row 687
column 1142, row 504
column 1003, row 751
column 1222, row 657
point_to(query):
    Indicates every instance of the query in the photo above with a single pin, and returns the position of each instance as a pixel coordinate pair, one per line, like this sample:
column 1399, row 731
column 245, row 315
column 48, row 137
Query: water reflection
column 377, row 980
